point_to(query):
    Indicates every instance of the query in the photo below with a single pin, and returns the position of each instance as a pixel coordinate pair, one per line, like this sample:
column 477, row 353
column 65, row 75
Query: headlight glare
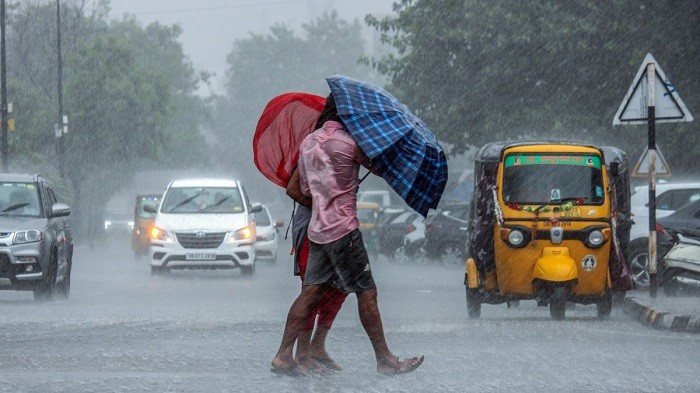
column 245, row 233
column 160, row 234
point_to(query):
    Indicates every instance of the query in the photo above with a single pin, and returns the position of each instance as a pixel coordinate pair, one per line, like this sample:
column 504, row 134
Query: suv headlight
column 29, row 236
column 246, row 233
column 160, row 234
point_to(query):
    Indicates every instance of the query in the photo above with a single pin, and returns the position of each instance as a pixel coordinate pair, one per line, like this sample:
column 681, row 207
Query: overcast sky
column 211, row 26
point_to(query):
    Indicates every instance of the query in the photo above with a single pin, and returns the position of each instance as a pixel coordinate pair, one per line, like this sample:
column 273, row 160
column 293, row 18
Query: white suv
column 267, row 239
column 669, row 198
column 203, row 224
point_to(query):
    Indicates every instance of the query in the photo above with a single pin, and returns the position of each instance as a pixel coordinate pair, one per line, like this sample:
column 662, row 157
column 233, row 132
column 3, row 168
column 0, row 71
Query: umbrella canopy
column 404, row 152
column 284, row 123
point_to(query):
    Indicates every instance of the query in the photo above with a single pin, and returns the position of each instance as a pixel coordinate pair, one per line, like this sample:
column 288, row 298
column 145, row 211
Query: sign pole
column 640, row 106
column 651, row 137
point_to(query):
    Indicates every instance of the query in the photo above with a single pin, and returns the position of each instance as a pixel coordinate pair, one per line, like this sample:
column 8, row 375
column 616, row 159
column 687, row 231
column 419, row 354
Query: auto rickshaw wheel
column 557, row 303
column 604, row 306
column 473, row 303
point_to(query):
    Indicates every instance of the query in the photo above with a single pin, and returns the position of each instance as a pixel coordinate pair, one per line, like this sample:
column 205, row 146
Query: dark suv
column 36, row 246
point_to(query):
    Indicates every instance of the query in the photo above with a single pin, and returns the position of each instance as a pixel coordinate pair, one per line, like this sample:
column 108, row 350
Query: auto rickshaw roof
column 493, row 151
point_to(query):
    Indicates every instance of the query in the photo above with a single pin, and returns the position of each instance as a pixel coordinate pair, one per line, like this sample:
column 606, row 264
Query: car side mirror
column 60, row 210
column 256, row 208
column 149, row 208
column 279, row 224
column 614, row 169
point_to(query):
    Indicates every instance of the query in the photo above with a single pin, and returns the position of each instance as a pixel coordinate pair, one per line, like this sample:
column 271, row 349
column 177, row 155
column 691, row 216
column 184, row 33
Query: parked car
column 143, row 223
column 413, row 246
column 669, row 197
column 446, row 234
column 36, row 245
column 682, row 262
column 203, row 224
column 391, row 228
column 266, row 236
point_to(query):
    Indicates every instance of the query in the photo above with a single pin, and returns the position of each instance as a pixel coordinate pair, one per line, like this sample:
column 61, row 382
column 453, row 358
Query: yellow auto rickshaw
column 549, row 222
column 143, row 222
column 368, row 214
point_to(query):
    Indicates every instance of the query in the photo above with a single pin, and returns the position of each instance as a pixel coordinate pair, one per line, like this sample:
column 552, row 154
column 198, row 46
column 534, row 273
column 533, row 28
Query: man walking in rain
column 329, row 161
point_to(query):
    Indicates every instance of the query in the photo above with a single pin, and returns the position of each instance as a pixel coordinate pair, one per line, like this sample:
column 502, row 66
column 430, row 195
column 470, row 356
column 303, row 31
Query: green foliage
column 263, row 66
column 477, row 71
column 128, row 91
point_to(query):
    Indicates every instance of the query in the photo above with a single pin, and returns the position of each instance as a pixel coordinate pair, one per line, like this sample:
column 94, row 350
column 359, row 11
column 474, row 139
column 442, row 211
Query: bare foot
column 398, row 366
column 284, row 366
column 327, row 362
column 309, row 366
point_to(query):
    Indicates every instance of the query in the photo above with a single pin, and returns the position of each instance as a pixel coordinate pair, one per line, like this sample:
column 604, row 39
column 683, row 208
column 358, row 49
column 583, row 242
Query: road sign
column 660, row 165
column 669, row 106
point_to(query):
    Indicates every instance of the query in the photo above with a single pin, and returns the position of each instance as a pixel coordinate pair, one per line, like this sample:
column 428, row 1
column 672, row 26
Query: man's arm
column 363, row 160
column 294, row 189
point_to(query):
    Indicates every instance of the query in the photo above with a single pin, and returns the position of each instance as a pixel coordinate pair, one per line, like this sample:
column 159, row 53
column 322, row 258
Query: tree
column 478, row 71
column 263, row 66
column 129, row 93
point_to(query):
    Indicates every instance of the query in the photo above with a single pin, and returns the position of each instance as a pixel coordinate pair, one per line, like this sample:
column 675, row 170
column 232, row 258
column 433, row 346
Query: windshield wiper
column 217, row 203
column 186, row 201
column 15, row 206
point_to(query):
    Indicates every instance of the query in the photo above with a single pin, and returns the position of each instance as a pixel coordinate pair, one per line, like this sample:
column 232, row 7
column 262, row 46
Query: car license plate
column 200, row 256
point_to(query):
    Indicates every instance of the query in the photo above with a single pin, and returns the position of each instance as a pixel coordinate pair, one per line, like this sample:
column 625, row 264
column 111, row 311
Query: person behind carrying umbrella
column 328, row 168
column 311, row 355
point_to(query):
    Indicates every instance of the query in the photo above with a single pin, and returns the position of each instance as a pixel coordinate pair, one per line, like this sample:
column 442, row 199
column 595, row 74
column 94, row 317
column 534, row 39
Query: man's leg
column 298, row 312
column 371, row 320
column 328, row 307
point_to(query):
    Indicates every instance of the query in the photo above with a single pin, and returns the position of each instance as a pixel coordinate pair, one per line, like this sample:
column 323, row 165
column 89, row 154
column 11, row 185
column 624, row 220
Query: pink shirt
column 329, row 164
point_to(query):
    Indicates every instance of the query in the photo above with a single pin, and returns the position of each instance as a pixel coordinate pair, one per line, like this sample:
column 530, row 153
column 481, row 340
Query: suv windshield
column 19, row 199
column 204, row 200
column 544, row 178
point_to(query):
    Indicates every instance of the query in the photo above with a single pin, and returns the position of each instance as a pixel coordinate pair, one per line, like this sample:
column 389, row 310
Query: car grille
column 200, row 240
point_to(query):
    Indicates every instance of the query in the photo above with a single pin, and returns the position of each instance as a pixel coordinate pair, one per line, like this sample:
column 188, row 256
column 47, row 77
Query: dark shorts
column 342, row 264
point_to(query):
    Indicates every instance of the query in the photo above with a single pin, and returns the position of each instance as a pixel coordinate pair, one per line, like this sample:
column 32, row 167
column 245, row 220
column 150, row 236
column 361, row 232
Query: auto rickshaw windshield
column 549, row 178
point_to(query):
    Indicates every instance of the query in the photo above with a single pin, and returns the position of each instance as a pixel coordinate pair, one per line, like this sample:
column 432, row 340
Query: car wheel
column 400, row 255
column 639, row 262
column 247, row 271
column 158, row 270
column 63, row 288
column 451, row 255
column 45, row 290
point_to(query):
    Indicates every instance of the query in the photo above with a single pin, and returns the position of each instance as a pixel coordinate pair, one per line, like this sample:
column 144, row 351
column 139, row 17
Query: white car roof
column 203, row 182
column 669, row 186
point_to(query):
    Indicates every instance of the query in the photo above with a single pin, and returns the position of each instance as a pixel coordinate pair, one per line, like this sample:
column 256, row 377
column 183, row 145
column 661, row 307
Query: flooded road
column 125, row 330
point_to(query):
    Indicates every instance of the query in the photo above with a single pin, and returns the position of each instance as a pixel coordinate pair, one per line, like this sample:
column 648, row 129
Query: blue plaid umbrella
column 402, row 149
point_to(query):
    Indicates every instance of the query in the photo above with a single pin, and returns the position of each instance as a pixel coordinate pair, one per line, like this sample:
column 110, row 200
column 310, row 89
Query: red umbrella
column 285, row 122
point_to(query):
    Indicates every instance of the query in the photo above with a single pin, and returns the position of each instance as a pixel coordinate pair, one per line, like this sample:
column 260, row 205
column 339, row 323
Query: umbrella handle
column 364, row 177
